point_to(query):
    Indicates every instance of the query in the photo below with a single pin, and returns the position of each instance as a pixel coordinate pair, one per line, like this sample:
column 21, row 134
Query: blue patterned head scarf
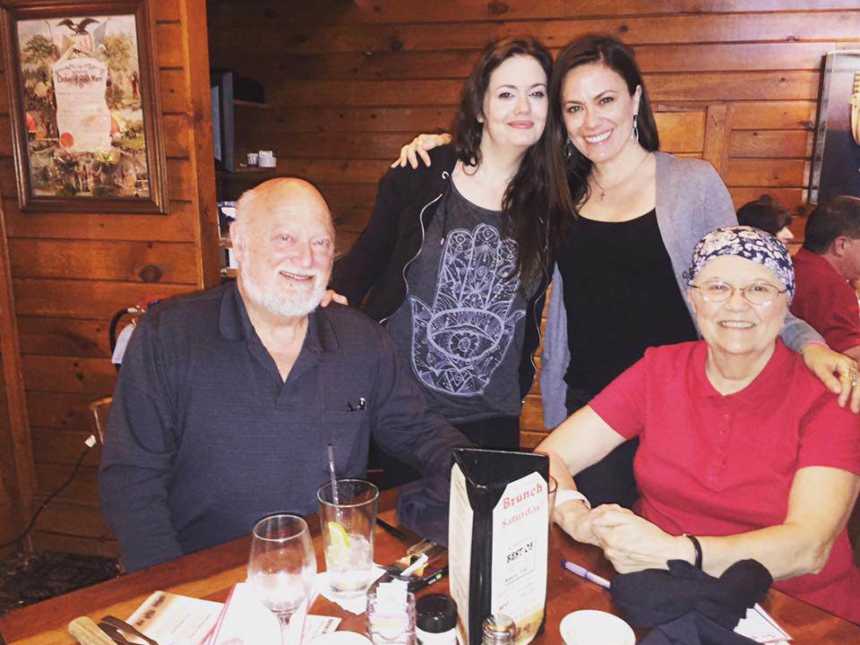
column 748, row 243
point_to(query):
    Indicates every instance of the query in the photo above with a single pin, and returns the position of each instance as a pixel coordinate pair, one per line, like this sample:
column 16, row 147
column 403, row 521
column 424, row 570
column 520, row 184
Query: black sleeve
column 355, row 273
column 137, row 457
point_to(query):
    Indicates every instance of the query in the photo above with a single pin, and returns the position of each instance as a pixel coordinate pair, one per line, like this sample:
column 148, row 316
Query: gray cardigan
column 691, row 201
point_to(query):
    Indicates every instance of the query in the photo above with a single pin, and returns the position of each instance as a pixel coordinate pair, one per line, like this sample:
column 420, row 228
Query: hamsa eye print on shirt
column 459, row 340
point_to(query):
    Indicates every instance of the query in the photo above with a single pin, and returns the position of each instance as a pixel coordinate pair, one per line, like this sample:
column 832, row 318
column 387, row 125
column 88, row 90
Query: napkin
column 354, row 605
column 246, row 621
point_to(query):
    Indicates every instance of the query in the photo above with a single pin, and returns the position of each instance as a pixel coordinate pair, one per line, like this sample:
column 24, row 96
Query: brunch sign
column 498, row 540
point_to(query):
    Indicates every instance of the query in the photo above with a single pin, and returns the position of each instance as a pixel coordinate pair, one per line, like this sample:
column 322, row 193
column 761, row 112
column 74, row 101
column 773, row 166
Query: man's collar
column 235, row 324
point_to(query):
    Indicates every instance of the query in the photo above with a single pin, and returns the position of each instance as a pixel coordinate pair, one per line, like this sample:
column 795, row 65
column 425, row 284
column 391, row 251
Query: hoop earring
column 636, row 128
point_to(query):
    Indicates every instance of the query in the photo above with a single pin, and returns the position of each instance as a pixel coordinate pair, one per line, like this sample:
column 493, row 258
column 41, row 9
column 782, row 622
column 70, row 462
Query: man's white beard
column 286, row 305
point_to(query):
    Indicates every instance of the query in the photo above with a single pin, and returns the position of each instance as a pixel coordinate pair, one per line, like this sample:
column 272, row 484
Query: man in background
column 825, row 267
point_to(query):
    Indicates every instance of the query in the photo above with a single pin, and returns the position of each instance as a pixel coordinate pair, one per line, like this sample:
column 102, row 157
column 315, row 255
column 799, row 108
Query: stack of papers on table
column 175, row 620
column 762, row 628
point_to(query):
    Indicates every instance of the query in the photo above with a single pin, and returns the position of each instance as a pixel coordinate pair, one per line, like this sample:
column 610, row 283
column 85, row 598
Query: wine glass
column 282, row 565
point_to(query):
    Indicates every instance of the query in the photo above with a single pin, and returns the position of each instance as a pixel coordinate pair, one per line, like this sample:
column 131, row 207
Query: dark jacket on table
column 205, row 437
column 373, row 273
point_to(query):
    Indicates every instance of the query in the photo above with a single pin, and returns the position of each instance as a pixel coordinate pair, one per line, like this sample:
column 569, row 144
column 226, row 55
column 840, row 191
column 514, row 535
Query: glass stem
column 284, row 623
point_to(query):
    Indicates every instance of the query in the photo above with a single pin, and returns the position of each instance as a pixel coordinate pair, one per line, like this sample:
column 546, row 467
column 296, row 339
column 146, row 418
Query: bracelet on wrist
column 698, row 548
column 569, row 495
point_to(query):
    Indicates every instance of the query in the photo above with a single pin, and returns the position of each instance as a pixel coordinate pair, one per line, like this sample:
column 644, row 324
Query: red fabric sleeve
column 621, row 404
column 831, row 437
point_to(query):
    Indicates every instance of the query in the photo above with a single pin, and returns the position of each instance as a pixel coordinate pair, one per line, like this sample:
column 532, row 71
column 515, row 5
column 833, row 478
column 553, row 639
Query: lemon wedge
column 338, row 538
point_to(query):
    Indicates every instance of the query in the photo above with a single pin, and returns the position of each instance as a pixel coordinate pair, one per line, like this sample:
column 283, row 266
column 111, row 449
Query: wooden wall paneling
column 85, row 299
column 59, row 410
column 717, row 129
column 193, row 40
column 177, row 226
column 400, row 11
column 16, row 455
column 671, row 29
column 63, row 337
column 153, row 262
column 93, row 376
column 783, row 173
column 62, row 447
column 770, row 144
column 411, row 65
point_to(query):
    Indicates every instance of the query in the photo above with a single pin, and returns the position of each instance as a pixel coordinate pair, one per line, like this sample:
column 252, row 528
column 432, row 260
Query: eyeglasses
column 757, row 293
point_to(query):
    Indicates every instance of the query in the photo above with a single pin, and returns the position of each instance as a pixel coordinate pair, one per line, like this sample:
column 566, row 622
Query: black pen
column 417, row 584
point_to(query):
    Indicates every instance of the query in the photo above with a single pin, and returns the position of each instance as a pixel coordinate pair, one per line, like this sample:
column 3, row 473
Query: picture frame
column 84, row 106
column 836, row 153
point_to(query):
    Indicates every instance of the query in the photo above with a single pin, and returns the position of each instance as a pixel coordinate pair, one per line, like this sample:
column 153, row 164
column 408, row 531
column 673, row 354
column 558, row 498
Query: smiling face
column 598, row 111
column 515, row 104
column 736, row 327
column 284, row 243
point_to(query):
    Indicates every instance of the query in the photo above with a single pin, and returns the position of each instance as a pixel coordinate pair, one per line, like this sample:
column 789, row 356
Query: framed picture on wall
column 836, row 156
column 84, row 105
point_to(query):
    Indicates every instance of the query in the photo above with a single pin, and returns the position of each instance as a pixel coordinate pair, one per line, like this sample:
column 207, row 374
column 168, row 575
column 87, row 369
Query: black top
column 621, row 297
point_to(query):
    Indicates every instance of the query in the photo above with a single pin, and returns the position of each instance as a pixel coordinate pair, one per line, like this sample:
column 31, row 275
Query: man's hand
column 632, row 543
column 837, row 371
column 420, row 147
column 330, row 295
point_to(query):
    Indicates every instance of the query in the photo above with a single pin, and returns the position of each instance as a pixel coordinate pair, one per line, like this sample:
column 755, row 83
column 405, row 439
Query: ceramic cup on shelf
column 266, row 159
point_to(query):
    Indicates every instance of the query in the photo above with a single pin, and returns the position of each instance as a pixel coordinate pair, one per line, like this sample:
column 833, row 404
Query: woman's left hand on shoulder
column 632, row 543
column 837, row 371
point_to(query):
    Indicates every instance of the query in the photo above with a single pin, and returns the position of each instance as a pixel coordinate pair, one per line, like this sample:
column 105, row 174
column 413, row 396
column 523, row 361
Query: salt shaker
column 498, row 629
column 436, row 620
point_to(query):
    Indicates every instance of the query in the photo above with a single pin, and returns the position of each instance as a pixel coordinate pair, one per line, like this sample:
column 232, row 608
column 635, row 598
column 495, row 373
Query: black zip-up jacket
column 374, row 271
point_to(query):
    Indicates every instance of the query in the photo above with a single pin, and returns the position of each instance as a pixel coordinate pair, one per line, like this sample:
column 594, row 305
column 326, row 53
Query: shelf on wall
column 250, row 104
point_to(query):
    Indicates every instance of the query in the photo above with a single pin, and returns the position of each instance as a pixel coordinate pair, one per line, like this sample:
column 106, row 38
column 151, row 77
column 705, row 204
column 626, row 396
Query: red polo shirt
column 718, row 465
column 826, row 301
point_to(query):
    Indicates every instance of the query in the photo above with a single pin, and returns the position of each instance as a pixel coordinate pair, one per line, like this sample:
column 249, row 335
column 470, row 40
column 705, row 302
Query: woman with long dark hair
column 456, row 257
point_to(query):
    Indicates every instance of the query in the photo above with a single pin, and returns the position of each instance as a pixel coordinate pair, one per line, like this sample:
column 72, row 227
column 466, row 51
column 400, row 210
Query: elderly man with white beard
column 228, row 399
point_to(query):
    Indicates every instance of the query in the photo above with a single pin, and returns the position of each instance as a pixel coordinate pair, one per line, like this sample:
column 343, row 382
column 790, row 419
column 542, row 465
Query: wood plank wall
column 71, row 272
column 349, row 82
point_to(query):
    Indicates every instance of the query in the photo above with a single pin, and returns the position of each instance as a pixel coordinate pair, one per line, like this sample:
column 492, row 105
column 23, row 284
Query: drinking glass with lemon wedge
column 348, row 516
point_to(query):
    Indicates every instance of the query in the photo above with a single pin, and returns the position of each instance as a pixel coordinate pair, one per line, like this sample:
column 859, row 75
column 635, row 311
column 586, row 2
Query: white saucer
column 592, row 627
column 341, row 638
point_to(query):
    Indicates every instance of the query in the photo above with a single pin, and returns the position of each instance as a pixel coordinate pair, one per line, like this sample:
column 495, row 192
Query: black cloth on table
column 686, row 605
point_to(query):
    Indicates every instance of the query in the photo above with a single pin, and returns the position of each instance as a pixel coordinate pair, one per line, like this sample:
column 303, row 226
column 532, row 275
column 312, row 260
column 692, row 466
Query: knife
column 116, row 623
column 419, row 546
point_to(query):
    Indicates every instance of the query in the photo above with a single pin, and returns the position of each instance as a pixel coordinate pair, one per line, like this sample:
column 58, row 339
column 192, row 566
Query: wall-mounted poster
column 84, row 106
column 836, row 157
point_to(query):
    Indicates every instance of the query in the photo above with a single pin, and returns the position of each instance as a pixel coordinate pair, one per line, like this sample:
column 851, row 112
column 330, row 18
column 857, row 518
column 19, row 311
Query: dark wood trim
column 20, row 462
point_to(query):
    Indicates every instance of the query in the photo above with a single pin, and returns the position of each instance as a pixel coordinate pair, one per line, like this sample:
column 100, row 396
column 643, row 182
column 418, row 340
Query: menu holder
column 498, row 539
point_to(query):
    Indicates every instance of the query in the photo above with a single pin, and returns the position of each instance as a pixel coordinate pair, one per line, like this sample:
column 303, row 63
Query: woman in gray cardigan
column 636, row 215
column 618, row 283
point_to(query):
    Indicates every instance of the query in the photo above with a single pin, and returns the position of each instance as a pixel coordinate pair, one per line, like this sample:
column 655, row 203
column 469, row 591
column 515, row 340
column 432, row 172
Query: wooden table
column 211, row 573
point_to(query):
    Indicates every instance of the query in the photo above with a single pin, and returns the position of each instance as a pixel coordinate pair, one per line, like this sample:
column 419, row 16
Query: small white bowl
column 341, row 638
column 592, row 627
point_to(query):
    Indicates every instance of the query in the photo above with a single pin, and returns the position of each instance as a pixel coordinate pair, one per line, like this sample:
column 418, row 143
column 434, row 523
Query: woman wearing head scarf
column 743, row 453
